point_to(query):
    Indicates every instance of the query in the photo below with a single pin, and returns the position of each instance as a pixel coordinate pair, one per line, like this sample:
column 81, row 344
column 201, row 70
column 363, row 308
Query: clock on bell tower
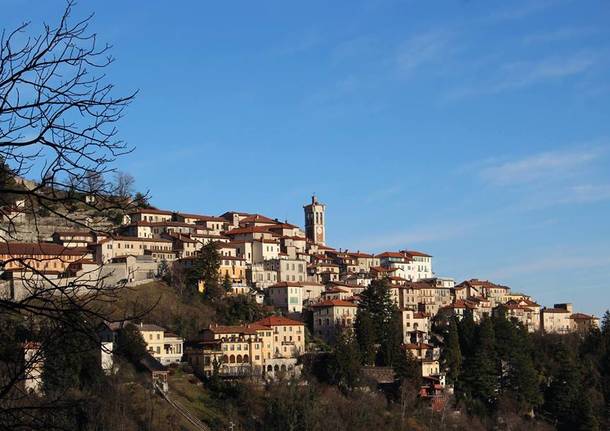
column 314, row 221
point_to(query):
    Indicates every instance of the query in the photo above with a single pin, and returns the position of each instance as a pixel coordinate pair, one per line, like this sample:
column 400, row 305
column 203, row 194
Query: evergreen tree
column 523, row 383
column 163, row 271
column 407, row 368
column 345, row 365
column 71, row 359
column 390, row 341
column 377, row 324
column 206, row 268
column 467, row 331
column 365, row 336
column 562, row 397
column 130, row 343
column 480, row 377
column 226, row 283
column 7, row 183
column 140, row 200
column 451, row 357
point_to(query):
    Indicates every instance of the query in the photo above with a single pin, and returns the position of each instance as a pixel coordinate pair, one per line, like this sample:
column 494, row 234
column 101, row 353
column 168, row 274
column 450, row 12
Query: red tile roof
column 39, row 248
column 246, row 230
column 257, row 218
column 415, row 253
column 278, row 321
column 582, row 316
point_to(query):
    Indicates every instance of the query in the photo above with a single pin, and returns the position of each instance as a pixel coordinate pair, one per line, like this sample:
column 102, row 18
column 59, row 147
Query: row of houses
column 291, row 269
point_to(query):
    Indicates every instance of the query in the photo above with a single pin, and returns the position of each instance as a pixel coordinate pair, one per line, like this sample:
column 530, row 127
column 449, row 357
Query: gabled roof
column 415, row 253
column 39, row 248
column 151, row 211
column 257, row 218
column 246, row 230
column 555, row 310
column 202, row 217
column 278, row 321
column 582, row 316
column 486, row 284
column 382, row 269
column 391, row 254
column 361, row 255
column 149, row 327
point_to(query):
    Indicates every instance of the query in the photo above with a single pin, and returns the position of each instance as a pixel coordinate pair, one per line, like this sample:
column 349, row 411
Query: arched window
column 239, row 361
column 269, row 368
column 283, row 368
column 246, row 359
column 232, row 359
column 225, row 359
column 276, row 368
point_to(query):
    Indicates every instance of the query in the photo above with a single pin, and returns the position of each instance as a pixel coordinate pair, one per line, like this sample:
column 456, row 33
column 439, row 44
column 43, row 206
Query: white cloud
column 422, row 49
column 548, row 165
column 519, row 12
column 587, row 193
column 565, row 262
column 521, row 74
column 416, row 236
column 558, row 35
column 300, row 42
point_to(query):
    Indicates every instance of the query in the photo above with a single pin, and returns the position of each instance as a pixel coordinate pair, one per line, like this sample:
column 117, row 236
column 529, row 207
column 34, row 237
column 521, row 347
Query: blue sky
column 477, row 131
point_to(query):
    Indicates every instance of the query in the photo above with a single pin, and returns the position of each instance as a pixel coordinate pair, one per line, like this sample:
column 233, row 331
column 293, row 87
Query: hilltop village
column 311, row 287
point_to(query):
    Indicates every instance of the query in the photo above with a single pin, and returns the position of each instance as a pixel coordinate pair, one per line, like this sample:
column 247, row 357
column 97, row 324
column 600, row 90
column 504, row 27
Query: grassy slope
column 166, row 308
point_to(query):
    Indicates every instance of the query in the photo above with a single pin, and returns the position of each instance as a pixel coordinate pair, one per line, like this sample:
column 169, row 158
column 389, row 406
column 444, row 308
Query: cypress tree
column 206, row 269
column 480, row 377
column 391, row 339
column 467, row 331
column 345, row 365
column 377, row 324
column 365, row 336
column 451, row 357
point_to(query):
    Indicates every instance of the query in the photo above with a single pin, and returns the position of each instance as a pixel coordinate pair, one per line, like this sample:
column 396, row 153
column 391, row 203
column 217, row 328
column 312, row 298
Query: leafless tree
column 123, row 185
column 58, row 118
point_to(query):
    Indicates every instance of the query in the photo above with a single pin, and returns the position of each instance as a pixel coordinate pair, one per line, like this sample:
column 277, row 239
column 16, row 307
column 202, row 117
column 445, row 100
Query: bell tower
column 314, row 221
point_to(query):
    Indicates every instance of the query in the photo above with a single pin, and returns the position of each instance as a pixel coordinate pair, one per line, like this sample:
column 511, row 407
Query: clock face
column 319, row 229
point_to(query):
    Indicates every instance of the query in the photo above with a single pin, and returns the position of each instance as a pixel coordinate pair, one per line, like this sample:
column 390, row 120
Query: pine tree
column 451, row 357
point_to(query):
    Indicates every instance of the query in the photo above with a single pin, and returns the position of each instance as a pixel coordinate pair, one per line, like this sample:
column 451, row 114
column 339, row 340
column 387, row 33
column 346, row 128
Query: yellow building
column 262, row 348
column 164, row 346
column 46, row 258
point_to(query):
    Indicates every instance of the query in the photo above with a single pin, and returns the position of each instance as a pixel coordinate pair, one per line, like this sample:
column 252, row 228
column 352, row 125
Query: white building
column 286, row 295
